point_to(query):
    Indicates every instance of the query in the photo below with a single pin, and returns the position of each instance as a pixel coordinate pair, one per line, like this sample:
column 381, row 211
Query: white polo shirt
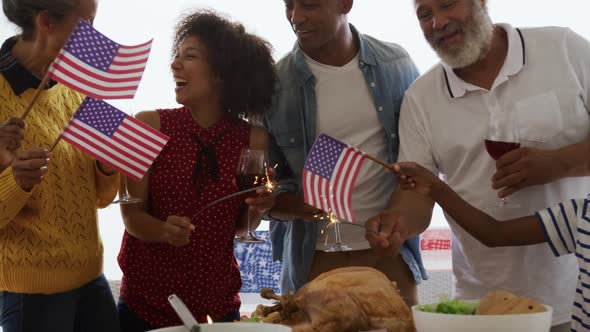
column 444, row 121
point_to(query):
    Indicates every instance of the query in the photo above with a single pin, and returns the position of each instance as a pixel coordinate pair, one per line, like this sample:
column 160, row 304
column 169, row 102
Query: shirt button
column 380, row 109
column 292, row 140
column 393, row 135
column 373, row 84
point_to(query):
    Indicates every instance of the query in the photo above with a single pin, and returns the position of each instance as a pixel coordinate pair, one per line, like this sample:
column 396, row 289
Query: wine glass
column 124, row 196
column 338, row 244
column 502, row 138
column 249, row 174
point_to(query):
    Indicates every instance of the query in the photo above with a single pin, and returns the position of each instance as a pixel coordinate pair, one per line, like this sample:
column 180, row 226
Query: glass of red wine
column 250, row 173
column 502, row 138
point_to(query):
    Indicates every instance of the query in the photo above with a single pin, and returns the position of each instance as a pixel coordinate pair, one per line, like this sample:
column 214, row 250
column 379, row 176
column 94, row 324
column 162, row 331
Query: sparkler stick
column 322, row 217
column 334, row 219
column 224, row 198
column 269, row 185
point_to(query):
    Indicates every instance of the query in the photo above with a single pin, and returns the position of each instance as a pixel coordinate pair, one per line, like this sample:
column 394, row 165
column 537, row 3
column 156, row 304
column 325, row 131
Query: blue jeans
column 90, row 308
column 131, row 323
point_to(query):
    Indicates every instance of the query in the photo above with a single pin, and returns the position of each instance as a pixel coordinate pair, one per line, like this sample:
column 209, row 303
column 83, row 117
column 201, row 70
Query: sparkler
column 269, row 185
column 333, row 220
column 338, row 244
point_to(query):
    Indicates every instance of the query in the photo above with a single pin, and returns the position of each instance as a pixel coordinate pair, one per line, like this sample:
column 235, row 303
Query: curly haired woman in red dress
column 222, row 75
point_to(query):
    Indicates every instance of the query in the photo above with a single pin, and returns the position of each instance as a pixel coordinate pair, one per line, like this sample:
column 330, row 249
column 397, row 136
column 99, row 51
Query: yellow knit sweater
column 49, row 237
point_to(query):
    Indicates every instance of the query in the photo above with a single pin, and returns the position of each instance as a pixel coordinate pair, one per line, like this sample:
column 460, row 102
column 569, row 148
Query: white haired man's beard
column 478, row 34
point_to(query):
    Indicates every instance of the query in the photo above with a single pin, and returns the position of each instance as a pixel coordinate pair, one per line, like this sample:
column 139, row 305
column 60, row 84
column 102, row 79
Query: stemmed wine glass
column 250, row 173
column 338, row 244
column 333, row 220
column 124, row 196
column 502, row 138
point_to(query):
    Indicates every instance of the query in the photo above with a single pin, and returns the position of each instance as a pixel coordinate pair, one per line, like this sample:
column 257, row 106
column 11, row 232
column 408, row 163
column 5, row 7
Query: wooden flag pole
column 59, row 137
column 36, row 95
column 55, row 143
column 382, row 163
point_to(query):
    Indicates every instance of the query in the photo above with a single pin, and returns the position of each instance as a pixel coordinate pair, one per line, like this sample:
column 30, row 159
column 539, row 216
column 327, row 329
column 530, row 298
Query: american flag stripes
column 329, row 175
column 115, row 138
column 96, row 66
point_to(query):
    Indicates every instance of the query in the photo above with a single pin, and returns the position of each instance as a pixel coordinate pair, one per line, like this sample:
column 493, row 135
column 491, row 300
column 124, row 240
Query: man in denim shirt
column 350, row 86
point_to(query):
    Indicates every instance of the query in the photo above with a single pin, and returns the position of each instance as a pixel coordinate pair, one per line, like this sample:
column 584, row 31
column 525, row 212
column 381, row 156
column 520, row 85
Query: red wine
column 497, row 149
column 250, row 180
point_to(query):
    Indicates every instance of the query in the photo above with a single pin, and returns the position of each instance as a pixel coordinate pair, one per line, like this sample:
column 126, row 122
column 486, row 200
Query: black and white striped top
column 567, row 228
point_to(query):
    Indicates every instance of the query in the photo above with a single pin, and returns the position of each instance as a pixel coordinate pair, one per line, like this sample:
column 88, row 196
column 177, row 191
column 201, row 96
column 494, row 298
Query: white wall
column 135, row 21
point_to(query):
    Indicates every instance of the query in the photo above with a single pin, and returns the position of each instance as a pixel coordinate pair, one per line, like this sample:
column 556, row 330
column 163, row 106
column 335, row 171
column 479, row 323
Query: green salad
column 254, row 318
column 450, row 306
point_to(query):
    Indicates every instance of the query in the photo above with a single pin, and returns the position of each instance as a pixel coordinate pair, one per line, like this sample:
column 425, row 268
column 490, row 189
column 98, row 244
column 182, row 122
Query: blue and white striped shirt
column 567, row 229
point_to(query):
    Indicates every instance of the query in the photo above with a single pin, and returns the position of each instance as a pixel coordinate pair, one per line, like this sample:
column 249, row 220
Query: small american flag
column 115, row 138
column 329, row 175
column 96, row 66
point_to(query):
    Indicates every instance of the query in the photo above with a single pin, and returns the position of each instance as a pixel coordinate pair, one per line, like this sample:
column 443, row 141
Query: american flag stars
column 92, row 47
column 100, row 116
column 322, row 160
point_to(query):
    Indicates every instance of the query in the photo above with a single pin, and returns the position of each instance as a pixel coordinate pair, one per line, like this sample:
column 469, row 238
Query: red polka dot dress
column 204, row 274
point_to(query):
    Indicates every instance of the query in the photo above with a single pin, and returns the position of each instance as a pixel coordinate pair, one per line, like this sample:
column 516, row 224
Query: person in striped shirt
column 565, row 227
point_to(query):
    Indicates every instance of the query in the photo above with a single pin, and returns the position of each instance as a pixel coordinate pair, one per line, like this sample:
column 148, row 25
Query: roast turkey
column 346, row 299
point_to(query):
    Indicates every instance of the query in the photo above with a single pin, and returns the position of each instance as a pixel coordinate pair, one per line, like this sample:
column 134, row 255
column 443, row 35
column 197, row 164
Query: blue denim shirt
column 389, row 71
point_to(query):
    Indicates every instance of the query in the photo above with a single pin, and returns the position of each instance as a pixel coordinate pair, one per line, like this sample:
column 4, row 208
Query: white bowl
column 435, row 322
column 231, row 327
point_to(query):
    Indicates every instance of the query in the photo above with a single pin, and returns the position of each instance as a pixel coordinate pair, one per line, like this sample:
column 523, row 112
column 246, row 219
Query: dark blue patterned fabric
column 258, row 269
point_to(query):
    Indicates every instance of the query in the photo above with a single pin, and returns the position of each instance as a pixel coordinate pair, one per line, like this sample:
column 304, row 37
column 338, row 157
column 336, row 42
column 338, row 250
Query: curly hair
column 242, row 61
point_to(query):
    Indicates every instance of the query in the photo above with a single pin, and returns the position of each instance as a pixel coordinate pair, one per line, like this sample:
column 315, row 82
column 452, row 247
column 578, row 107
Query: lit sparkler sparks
column 270, row 184
column 333, row 220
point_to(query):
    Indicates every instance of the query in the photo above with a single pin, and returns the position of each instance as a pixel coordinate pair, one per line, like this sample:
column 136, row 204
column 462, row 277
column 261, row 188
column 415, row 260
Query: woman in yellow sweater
column 50, row 249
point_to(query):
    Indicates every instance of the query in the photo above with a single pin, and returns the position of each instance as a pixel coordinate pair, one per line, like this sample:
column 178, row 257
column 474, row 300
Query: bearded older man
column 541, row 78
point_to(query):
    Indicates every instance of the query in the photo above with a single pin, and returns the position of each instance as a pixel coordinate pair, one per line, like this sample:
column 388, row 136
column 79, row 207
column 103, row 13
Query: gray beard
column 478, row 40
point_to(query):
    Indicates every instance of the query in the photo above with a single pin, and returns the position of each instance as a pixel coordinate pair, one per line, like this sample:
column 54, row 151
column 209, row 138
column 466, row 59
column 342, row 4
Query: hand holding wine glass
column 528, row 167
column 502, row 138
